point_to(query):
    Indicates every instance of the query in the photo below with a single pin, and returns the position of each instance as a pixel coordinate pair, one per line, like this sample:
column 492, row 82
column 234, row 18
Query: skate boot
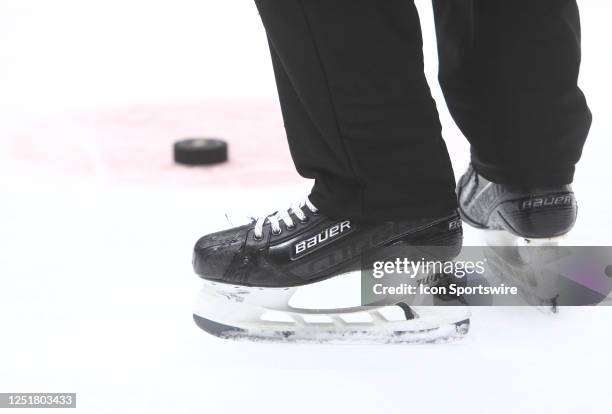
column 254, row 275
column 516, row 218
column 537, row 214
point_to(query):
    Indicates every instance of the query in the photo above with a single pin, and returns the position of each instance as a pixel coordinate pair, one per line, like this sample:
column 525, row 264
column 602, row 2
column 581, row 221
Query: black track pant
column 359, row 114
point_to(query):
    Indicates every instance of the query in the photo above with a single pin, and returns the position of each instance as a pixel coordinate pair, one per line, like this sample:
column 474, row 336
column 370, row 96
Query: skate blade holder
column 539, row 285
column 267, row 314
column 504, row 238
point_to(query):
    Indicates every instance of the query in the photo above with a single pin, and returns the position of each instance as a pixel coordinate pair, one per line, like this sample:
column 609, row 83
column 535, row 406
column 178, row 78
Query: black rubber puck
column 200, row 151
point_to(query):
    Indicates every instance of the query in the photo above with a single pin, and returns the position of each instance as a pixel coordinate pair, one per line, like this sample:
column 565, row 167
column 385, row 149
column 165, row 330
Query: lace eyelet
column 257, row 238
column 291, row 227
column 304, row 220
column 276, row 233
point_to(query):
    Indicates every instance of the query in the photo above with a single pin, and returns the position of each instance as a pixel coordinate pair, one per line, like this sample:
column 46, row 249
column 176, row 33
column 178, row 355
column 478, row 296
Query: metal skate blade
column 319, row 335
column 548, row 306
column 238, row 312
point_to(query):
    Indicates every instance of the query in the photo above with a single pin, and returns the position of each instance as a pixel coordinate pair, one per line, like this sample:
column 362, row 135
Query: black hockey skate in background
column 528, row 212
column 526, row 216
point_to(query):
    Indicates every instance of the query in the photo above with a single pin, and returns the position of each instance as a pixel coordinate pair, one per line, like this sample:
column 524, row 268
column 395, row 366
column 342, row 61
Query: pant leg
column 358, row 112
column 509, row 72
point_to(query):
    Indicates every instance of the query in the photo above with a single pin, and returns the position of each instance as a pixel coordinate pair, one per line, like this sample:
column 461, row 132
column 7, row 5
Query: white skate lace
column 284, row 215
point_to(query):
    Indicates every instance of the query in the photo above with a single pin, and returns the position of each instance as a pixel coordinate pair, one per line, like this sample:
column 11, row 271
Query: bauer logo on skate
column 454, row 225
column 311, row 244
column 557, row 200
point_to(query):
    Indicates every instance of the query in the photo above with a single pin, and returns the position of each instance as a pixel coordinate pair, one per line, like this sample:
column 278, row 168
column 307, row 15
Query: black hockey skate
column 532, row 213
column 524, row 227
column 252, row 272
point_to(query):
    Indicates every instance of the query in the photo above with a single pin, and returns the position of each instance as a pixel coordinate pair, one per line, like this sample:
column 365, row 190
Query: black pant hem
column 426, row 208
column 519, row 175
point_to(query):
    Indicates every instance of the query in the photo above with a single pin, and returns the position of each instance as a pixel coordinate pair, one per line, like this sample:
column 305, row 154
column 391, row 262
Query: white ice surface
column 96, row 298
column 96, row 286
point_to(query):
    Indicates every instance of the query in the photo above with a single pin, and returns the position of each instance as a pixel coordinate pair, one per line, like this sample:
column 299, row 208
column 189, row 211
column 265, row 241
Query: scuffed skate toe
column 213, row 254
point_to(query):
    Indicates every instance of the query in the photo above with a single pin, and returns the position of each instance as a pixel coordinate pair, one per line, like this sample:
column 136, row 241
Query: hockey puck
column 200, row 151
